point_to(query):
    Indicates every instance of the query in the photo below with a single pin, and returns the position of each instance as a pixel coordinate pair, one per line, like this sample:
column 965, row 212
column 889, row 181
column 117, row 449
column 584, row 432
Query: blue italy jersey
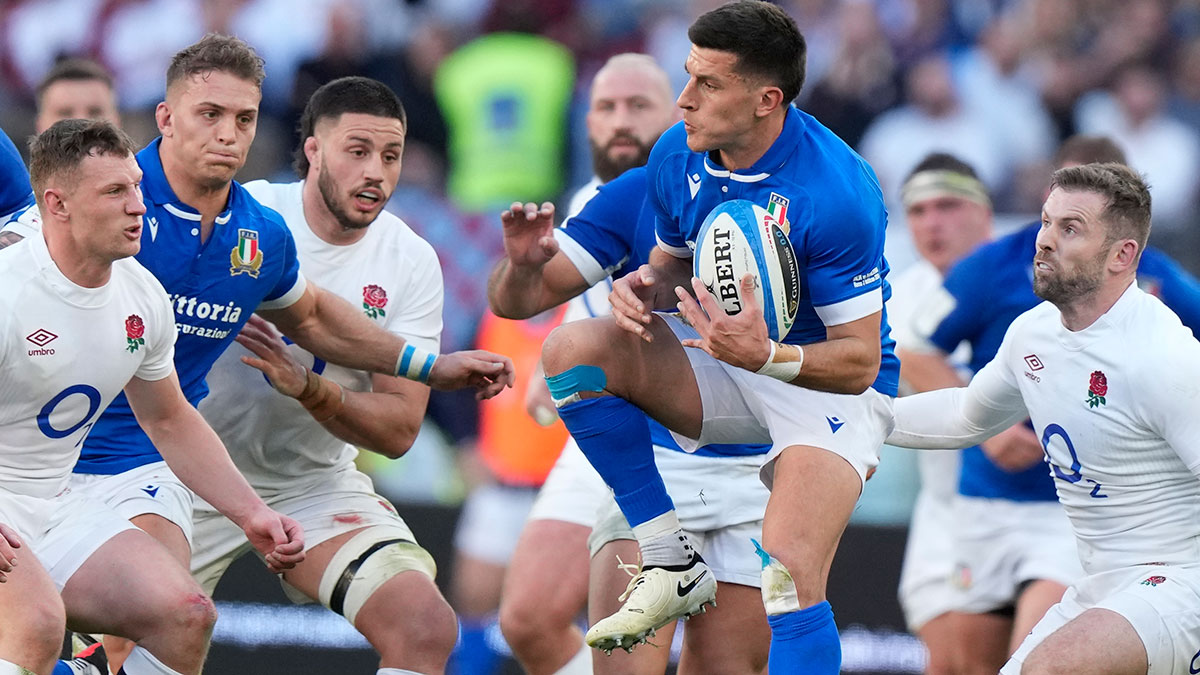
column 16, row 195
column 828, row 201
column 609, row 238
column 214, row 286
column 994, row 285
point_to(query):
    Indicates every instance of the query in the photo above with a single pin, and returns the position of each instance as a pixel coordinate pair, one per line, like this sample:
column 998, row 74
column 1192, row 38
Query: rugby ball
column 737, row 238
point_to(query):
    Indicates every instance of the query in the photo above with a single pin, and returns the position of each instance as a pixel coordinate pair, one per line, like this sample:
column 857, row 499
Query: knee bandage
column 366, row 562
column 566, row 386
column 778, row 587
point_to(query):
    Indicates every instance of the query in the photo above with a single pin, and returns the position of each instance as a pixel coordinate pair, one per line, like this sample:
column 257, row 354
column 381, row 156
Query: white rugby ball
column 737, row 238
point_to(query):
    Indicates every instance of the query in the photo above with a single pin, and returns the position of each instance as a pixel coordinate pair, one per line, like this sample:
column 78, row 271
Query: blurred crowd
column 496, row 93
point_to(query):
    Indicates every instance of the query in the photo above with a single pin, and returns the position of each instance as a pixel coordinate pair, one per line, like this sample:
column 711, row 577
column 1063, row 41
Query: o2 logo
column 1195, row 665
column 1076, row 473
column 51, row 431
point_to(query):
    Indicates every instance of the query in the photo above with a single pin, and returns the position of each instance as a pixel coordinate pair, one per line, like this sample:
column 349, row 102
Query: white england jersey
column 65, row 352
column 392, row 275
column 1117, row 406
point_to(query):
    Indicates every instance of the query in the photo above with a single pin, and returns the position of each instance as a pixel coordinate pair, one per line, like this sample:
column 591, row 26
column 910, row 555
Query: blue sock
column 615, row 437
column 805, row 641
column 472, row 655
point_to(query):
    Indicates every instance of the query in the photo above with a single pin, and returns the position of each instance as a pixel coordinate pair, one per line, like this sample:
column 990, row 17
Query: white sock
column 663, row 542
column 142, row 662
column 395, row 671
column 580, row 664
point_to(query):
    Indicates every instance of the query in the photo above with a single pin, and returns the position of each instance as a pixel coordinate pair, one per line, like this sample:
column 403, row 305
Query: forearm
column 669, row 272
column 841, row 365
column 926, row 371
column 337, row 332
column 385, row 422
column 948, row 419
column 516, row 291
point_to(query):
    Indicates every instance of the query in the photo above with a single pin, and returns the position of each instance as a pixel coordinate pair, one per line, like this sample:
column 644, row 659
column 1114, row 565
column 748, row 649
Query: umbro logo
column 683, row 590
column 834, row 424
column 40, row 338
column 694, row 184
column 151, row 490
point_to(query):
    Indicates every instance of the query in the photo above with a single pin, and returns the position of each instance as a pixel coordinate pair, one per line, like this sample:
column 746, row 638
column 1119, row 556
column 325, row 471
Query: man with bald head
column 631, row 105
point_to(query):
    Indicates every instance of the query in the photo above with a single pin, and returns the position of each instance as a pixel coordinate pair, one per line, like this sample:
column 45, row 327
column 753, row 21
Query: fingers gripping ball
column 737, row 238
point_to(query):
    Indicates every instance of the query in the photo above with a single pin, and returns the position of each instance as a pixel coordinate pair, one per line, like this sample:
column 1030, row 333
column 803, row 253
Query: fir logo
column 374, row 300
column 1154, row 580
column 1097, row 388
column 246, row 258
column 777, row 209
column 134, row 330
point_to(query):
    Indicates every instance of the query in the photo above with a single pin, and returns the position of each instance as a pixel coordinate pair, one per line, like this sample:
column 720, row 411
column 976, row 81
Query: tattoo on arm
column 9, row 238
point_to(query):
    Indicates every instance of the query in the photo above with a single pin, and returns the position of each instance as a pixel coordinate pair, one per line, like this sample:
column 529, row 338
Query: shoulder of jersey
column 737, row 238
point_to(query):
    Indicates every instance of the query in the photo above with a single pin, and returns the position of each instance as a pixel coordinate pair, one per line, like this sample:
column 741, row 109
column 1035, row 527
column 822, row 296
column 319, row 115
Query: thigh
column 128, row 584
column 573, row 491
column 549, row 569
column 1032, row 604
column 706, row 644
column 216, row 543
column 1098, row 642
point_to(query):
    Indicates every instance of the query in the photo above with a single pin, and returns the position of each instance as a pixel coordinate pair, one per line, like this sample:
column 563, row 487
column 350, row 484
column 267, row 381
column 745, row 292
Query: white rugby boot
column 655, row 597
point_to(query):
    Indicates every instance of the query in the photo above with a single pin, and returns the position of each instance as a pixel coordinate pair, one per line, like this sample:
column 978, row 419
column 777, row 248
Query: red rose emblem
column 1156, row 580
column 374, row 296
column 1099, row 384
column 134, row 328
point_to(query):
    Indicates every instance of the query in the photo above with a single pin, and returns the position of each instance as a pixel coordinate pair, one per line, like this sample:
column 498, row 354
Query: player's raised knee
column 40, row 628
column 574, row 343
column 193, row 612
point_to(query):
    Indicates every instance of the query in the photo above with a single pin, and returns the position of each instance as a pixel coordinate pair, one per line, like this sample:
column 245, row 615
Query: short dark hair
column 1127, row 213
column 1081, row 149
column 943, row 161
column 766, row 41
column 74, row 70
column 220, row 53
column 64, row 146
column 346, row 95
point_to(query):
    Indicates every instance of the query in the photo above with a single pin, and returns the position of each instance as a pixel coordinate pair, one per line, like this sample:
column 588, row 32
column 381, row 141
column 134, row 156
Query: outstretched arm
column 534, row 275
column 958, row 417
column 193, row 451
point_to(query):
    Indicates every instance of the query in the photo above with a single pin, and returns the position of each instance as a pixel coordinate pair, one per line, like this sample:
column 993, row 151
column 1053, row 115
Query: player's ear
column 770, row 99
column 54, row 205
column 1124, row 255
column 162, row 117
column 312, row 151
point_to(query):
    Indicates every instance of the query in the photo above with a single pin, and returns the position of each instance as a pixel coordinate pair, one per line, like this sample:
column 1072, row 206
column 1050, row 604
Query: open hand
column 740, row 340
column 488, row 373
column 529, row 233
column 283, row 371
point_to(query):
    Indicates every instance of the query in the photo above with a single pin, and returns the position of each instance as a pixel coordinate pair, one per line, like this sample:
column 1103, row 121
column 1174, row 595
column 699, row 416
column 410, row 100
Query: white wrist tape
column 785, row 371
column 415, row 363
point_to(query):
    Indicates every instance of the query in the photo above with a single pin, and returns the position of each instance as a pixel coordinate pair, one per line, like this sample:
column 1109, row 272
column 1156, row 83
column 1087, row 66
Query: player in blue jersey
column 721, row 499
column 1012, row 545
column 16, row 195
column 822, row 397
column 222, row 257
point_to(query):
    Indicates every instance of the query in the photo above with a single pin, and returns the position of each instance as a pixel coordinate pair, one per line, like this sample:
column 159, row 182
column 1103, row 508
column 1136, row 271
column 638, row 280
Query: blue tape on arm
column 565, row 386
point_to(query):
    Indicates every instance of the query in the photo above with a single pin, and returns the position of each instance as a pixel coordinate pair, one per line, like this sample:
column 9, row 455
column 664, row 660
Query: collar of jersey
column 775, row 157
column 157, row 190
column 77, row 295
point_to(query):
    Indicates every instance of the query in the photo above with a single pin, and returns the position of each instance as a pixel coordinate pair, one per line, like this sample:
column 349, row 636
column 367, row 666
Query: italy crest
column 246, row 257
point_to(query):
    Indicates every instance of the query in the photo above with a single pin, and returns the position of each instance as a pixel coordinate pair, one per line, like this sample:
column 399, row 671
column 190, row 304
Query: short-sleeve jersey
column 607, row 237
column 391, row 274
column 825, row 197
column 249, row 261
column 15, row 192
column 1115, row 407
column 984, row 292
column 65, row 352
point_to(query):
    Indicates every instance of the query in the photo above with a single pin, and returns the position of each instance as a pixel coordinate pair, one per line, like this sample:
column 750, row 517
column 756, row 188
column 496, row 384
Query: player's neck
column 321, row 220
column 751, row 147
column 207, row 197
column 1087, row 310
column 81, row 269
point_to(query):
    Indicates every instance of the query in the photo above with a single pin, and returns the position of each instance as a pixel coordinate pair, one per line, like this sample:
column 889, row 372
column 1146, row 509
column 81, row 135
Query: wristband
column 415, row 363
column 321, row 400
column 783, row 364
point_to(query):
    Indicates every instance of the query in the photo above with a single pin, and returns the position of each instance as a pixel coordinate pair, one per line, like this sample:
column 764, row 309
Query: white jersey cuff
column 852, row 309
column 584, row 261
column 684, row 252
column 287, row 299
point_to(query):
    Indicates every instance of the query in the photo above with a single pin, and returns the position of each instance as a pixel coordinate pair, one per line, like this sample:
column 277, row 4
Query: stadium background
column 997, row 82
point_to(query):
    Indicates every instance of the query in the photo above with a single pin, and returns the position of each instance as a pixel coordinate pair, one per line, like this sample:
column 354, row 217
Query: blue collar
column 775, row 157
column 157, row 190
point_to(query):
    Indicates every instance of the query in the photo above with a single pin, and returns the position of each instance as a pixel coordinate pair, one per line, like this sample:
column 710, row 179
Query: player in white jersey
column 363, row 561
column 1108, row 376
column 630, row 107
column 80, row 322
column 949, row 213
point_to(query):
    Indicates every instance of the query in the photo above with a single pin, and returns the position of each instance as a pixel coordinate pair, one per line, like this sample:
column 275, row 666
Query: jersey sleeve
column 1179, row 291
column 419, row 317
column 955, row 314
column 15, row 191
column 661, row 193
column 160, row 352
column 843, row 264
column 600, row 238
column 1171, row 397
column 291, row 283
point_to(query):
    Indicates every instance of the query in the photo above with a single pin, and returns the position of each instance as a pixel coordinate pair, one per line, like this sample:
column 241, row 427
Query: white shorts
column 341, row 502
column 491, row 522
column 744, row 407
column 1161, row 602
column 63, row 531
column 926, row 577
column 720, row 502
column 573, row 491
column 150, row 488
column 1002, row 544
